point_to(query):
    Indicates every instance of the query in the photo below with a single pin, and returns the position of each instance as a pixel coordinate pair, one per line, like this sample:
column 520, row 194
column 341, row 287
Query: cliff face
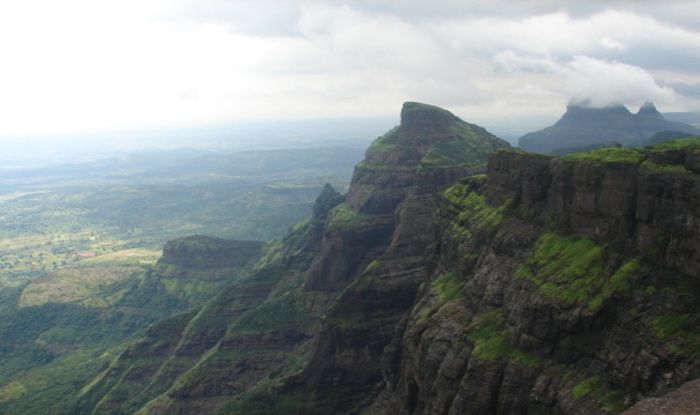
column 200, row 252
column 376, row 249
column 563, row 285
column 582, row 127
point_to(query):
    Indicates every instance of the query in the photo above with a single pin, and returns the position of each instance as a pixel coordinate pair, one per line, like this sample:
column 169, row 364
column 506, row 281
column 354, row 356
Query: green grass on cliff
column 448, row 287
column 343, row 217
column 596, row 388
column 493, row 342
column 609, row 155
column 680, row 332
column 666, row 168
column 472, row 206
column 619, row 282
column 277, row 314
column 471, row 145
column 565, row 268
column 382, row 145
column 573, row 270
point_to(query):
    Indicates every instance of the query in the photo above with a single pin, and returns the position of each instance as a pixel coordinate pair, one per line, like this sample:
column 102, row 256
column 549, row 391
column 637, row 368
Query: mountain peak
column 583, row 126
column 327, row 200
column 576, row 108
column 648, row 109
column 423, row 117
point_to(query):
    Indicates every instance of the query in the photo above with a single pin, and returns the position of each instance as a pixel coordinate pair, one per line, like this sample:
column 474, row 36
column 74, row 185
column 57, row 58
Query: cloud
column 585, row 79
column 86, row 65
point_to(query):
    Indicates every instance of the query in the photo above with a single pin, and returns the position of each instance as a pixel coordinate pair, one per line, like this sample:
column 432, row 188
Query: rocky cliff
column 562, row 286
column 584, row 128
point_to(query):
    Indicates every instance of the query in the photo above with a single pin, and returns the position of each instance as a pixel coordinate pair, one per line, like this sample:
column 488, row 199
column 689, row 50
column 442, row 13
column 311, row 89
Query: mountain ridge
column 309, row 277
column 582, row 126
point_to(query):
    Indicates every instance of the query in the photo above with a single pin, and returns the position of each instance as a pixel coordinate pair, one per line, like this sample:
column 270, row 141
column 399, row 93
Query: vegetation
column 383, row 145
column 448, row 287
column 373, row 265
column 279, row 313
column 678, row 144
column 666, row 326
column 609, row 155
column 345, row 217
column 470, row 145
column 573, row 270
column 596, row 387
column 45, row 388
column 666, row 168
column 680, row 332
column 472, row 207
column 493, row 342
column 619, row 282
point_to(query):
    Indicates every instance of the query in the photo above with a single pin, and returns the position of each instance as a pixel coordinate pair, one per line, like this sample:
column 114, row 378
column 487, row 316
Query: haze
column 75, row 67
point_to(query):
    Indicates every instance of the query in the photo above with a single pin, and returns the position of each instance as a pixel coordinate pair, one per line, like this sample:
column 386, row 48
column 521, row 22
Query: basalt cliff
column 456, row 276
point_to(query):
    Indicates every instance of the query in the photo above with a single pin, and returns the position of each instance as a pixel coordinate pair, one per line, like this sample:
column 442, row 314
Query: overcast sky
column 86, row 65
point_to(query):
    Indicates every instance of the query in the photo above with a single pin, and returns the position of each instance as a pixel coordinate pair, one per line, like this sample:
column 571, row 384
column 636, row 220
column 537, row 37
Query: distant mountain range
column 582, row 127
column 692, row 118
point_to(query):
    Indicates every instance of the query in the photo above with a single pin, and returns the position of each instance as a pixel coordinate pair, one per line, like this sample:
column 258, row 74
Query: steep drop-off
column 562, row 286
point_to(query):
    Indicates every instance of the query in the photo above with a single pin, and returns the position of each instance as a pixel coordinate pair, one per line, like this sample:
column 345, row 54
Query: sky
column 79, row 66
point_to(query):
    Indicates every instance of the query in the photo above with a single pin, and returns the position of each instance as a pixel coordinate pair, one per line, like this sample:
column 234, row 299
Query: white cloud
column 612, row 44
column 585, row 79
column 90, row 65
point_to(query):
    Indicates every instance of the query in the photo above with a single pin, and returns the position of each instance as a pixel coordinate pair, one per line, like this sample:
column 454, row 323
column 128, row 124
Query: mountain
column 692, row 118
column 583, row 126
column 457, row 275
column 663, row 136
column 268, row 335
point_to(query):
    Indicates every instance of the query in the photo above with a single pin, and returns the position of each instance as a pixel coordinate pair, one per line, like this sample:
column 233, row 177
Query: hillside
column 582, row 128
column 59, row 331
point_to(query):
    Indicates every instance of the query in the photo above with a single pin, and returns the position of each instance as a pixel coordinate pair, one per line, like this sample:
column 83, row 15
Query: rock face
column 375, row 249
column 562, row 286
column 683, row 401
column 582, row 128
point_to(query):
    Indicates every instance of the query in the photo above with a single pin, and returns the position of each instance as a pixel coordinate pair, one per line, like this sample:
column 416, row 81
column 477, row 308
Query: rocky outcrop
column 683, row 401
column 582, row 126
